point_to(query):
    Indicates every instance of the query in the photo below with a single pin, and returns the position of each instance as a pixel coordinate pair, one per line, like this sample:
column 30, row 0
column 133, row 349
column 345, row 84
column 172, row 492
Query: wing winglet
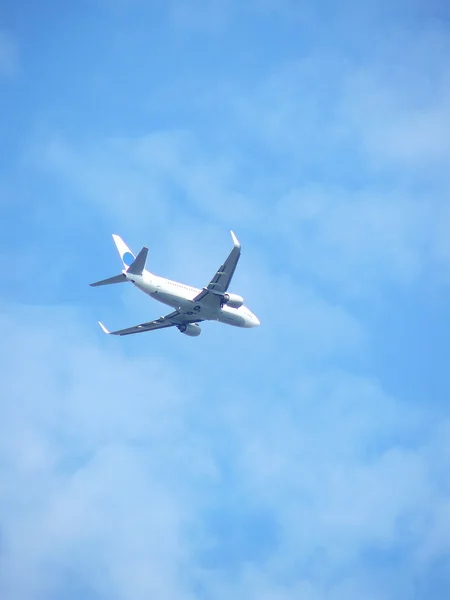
column 103, row 327
column 235, row 240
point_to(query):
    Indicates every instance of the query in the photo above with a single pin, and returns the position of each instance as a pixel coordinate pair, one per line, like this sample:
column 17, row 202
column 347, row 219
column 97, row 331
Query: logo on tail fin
column 128, row 259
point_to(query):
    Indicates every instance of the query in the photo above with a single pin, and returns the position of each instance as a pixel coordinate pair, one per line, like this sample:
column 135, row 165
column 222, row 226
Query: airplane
column 192, row 305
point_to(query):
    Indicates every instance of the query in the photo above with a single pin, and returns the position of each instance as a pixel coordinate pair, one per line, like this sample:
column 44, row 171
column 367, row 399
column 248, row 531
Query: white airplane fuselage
column 179, row 295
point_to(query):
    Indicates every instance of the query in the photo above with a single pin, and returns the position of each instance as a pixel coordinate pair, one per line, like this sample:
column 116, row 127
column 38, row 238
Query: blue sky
column 305, row 459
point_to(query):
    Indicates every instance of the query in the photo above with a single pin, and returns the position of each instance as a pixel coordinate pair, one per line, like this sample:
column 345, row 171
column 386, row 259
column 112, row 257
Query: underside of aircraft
column 192, row 305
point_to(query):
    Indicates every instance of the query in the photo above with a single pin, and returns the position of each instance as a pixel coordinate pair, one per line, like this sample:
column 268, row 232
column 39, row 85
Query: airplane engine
column 233, row 300
column 190, row 329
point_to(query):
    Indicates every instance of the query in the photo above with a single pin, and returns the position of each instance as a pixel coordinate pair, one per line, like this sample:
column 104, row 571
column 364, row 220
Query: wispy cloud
column 81, row 476
column 352, row 236
column 307, row 458
column 119, row 470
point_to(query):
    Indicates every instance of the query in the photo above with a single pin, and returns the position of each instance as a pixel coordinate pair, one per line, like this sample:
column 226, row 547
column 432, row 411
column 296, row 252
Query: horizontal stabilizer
column 138, row 265
column 116, row 279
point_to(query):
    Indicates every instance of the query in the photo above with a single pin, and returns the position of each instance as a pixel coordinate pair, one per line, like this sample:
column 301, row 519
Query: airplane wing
column 174, row 318
column 220, row 282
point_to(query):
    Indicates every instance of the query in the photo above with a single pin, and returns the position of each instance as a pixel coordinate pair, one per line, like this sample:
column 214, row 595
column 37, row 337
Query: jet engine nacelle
column 233, row 300
column 191, row 329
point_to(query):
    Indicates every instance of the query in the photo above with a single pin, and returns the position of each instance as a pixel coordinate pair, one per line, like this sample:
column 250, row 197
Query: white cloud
column 140, row 179
column 91, row 446
column 347, row 234
column 112, row 462
column 350, row 237
column 338, row 159
column 340, row 465
column 402, row 123
column 115, row 453
column 355, row 238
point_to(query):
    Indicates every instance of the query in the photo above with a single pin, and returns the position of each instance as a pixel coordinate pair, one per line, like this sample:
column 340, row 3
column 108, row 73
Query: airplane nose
column 256, row 321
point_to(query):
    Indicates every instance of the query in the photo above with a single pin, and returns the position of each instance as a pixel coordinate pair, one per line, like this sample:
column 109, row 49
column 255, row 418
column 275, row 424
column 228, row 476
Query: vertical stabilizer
column 126, row 256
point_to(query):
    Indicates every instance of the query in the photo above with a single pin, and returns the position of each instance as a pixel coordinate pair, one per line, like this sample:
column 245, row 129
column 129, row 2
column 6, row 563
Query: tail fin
column 126, row 256
column 133, row 265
